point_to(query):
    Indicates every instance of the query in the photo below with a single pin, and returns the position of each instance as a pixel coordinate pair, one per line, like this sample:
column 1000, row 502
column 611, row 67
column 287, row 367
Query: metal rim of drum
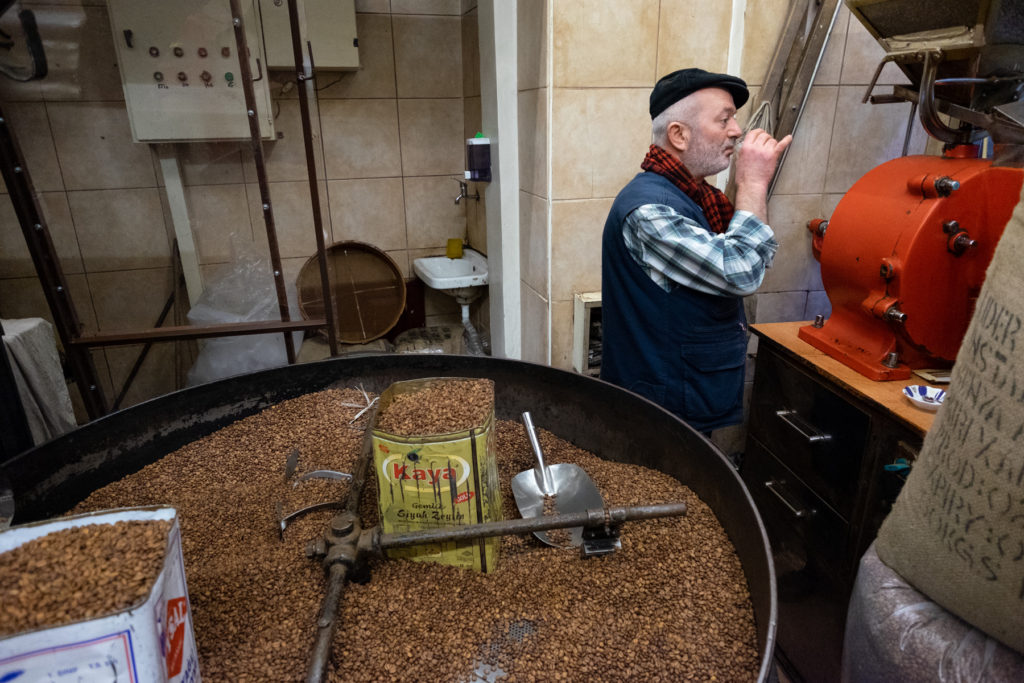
column 372, row 283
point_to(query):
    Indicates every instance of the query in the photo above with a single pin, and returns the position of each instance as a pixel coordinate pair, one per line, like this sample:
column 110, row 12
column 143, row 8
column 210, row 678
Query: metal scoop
column 567, row 487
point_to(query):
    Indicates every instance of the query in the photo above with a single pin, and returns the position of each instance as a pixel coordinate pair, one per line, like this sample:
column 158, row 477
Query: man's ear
column 679, row 135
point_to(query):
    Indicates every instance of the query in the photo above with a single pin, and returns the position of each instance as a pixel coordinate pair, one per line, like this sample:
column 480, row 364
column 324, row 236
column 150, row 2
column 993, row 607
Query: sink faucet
column 464, row 191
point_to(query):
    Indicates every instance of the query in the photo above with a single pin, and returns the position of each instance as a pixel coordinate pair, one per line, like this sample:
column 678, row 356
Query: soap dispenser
column 478, row 159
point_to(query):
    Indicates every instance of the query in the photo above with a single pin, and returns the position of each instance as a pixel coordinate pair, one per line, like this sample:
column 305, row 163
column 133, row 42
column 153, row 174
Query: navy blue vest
column 682, row 349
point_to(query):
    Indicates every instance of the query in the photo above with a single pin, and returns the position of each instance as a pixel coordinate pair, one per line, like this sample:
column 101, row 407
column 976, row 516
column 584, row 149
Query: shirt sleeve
column 676, row 250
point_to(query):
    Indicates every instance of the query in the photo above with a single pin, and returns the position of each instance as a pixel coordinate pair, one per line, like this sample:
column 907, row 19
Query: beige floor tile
column 561, row 335
column 619, row 121
column 129, row 299
column 31, row 129
column 95, row 149
column 864, row 136
column 533, row 241
column 803, row 171
column 432, row 136
column 535, row 325
column 576, row 228
column 533, row 142
column 23, row 297
column 15, row 258
column 532, row 34
column 470, row 55
column 570, row 167
column 218, row 214
column 210, row 163
column 794, row 267
column 447, row 7
column 370, row 210
column 763, row 24
column 817, row 304
column 376, row 6
column 361, row 138
column 776, row 307
column 428, row 56
column 472, row 117
column 286, row 156
column 831, row 66
column 293, row 218
column 376, row 76
column 681, row 23
column 862, row 57
column 605, row 43
column 431, row 215
column 80, row 54
column 120, row 229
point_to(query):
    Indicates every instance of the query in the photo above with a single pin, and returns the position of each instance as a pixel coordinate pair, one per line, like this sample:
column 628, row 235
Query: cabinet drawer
column 800, row 524
column 820, row 436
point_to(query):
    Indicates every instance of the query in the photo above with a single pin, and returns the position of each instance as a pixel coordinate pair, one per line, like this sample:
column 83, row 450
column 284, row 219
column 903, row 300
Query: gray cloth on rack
column 32, row 352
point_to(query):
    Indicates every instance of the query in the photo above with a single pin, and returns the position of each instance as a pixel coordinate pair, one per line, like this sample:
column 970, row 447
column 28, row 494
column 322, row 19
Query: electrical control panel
column 330, row 30
column 180, row 70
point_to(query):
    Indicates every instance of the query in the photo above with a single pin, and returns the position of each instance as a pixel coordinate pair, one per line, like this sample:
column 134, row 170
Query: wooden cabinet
column 818, row 441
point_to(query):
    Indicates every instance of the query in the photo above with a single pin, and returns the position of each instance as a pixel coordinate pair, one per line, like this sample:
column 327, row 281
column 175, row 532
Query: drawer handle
column 775, row 487
column 802, row 426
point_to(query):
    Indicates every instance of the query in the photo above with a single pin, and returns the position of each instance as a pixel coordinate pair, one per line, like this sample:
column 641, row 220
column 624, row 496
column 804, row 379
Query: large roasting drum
column 594, row 415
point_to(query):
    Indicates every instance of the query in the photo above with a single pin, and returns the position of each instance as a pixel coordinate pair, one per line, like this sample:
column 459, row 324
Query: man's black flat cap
column 678, row 84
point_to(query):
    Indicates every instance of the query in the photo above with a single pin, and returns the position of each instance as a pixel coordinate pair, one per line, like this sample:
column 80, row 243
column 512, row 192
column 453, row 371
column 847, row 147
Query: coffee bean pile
column 79, row 573
column 673, row 604
column 448, row 406
column 556, row 536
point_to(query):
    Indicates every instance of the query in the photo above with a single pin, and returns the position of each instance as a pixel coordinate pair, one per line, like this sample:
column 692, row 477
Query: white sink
column 459, row 277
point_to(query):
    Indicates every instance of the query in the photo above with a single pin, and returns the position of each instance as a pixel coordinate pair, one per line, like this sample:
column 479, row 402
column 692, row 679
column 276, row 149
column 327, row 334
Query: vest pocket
column 713, row 372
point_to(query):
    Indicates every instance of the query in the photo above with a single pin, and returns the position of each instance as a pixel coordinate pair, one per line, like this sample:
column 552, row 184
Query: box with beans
column 436, row 466
column 98, row 596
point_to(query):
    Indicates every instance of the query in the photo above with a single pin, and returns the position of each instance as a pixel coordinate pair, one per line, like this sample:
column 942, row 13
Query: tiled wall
column 584, row 132
column 388, row 139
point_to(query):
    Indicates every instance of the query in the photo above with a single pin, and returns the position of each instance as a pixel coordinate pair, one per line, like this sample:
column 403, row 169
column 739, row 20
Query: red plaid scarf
column 717, row 207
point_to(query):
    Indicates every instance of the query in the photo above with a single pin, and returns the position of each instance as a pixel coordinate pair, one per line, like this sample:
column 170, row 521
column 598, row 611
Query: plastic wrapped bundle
column 895, row 633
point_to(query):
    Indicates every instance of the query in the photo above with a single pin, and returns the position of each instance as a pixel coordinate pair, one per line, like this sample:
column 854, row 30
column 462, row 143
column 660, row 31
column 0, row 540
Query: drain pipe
column 472, row 336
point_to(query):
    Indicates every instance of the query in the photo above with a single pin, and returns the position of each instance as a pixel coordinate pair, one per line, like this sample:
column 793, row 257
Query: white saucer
column 924, row 397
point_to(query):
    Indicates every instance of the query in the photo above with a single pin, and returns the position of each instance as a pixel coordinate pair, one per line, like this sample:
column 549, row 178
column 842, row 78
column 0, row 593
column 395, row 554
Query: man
column 677, row 256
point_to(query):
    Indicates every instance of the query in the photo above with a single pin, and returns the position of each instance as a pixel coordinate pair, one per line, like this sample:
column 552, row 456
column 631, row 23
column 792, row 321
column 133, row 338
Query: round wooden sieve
column 367, row 290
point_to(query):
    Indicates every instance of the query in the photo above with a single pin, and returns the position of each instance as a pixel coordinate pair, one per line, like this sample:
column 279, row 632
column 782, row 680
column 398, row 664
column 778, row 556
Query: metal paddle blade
column 574, row 492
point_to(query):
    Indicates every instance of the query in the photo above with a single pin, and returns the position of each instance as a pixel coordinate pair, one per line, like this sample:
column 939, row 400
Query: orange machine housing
column 903, row 259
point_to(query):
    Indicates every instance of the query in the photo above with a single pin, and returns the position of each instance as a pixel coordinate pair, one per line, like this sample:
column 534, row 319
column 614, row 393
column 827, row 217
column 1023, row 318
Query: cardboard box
column 438, row 480
column 151, row 641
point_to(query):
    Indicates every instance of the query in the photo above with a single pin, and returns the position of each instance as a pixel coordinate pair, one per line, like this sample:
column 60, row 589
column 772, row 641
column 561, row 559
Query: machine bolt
column 886, row 271
column 38, row 226
column 60, row 289
column 266, row 207
column 277, row 273
column 951, row 227
column 894, row 314
column 2, row 120
column 946, row 185
column 819, row 321
column 316, row 548
column 342, row 524
column 251, row 113
column 17, row 169
column 92, row 387
column 961, row 243
column 236, row 21
column 892, row 359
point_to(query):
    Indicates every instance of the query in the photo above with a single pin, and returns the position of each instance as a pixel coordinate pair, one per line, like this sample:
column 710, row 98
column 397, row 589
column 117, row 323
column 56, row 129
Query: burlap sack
column 956, row 532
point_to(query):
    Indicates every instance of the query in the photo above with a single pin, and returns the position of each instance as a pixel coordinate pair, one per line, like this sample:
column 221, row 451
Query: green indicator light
column 229, row 76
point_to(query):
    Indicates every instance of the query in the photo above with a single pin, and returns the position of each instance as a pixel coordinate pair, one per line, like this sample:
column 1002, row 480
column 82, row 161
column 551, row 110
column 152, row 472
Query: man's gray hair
column 684, row 111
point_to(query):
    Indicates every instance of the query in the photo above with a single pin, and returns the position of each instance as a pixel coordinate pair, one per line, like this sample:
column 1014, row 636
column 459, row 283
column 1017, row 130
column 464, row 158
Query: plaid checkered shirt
column 675, row 250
